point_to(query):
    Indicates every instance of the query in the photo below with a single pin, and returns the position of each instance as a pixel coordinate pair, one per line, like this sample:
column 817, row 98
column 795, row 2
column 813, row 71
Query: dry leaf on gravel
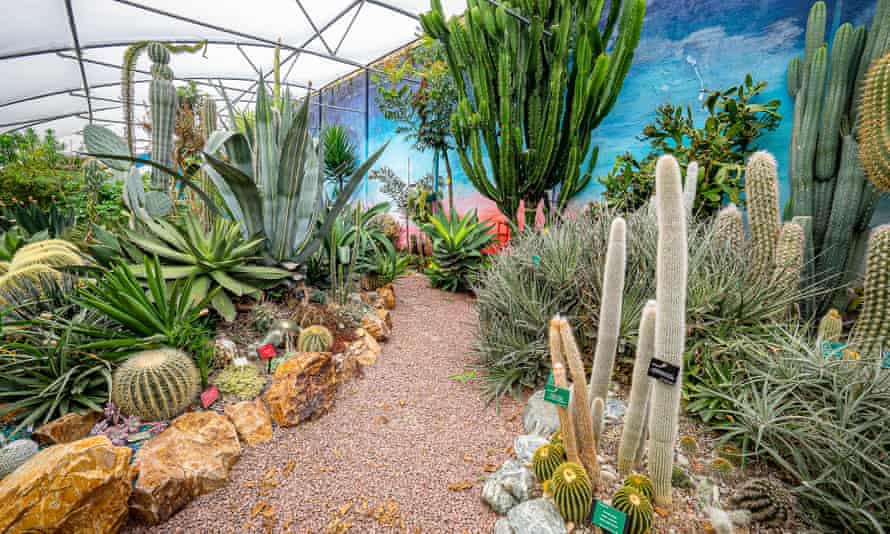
column 461, row 486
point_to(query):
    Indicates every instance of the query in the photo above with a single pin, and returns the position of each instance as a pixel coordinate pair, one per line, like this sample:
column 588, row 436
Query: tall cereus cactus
column 690, row 188
column 536, row 134
column 874, row 123
column 827, row 179
column 729, row 227
column 566, row 423
column 790, row 252
column 634, row 420
column 762, row 195
column 582, row 419
column 670, row 323
column 610, row 311
column 871, row 332
column 162, row 108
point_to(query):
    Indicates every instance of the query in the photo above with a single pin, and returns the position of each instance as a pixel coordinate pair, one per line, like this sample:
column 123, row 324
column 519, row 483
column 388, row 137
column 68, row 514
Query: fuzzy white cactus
column 635, row 418
column 690, row 188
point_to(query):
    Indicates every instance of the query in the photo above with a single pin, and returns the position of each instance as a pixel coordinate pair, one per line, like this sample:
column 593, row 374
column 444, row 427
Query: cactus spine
column 315, row 339
column 670, row 323
column 831, row 327
column 789, row 257
column 631, row 434
column 874, row 124
column 762, row 194
column 566, row 423
column 162, row 100
column 546, row 459
column 872, row 330
column 690, row 187
column 610, row 311
column 15, row 454
column 155, row 385
column 637, row 507
column 729, row 228
column 585, row 428
column 640, row 483
column 598, row 415
column 572, row 491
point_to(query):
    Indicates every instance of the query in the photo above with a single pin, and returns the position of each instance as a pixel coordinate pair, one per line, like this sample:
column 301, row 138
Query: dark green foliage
column 33, row 169
column 33, row 220
column 457, row 249
column 384, row 265
column 340, row 158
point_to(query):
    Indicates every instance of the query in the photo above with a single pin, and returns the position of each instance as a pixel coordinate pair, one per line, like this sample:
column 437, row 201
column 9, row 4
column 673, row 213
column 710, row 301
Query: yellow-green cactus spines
column 572, row 491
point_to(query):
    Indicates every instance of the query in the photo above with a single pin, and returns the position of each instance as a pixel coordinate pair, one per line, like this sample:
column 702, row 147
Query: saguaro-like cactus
column 162, row 107
column 670, row 323
column 827, row 180
column 874, row 123
column 610, row 311
column 762, row 195
column 872, row 330
column 631, row 434
column 536, row 134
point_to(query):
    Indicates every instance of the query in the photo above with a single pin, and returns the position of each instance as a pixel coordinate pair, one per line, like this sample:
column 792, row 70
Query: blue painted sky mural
column 687, row 47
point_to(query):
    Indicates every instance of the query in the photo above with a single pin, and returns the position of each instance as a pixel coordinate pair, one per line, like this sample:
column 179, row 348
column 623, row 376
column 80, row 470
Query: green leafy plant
column 384, row 266
column 33, row 220
column 457, row 249
column 340, row 158
column 349, row 244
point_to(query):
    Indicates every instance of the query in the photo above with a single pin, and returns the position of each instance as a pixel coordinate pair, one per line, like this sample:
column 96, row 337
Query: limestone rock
column 365, row 349
column 537, row 516
column 503, row 526
column 540, row 417
column 510, row 485
column 251, row 420
column 70, row 427
column 76, row 487
column 387, row 296
column 191, row 458
column 347, row 366
column 303, row 388
column 526, row 445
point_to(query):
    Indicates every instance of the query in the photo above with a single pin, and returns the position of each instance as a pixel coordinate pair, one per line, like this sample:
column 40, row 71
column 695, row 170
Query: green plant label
column 833, row 350
column 608, row 518
column 536, row 260
column 557, row 396
column 885, row 363
column 549, row 385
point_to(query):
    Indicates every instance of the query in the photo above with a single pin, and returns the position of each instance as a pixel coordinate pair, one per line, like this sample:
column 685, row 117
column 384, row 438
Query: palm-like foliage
column 220, row 257
column 340, row 158
column 457, row 249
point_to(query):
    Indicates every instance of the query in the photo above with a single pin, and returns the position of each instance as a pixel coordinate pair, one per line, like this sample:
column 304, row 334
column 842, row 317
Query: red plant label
column 209, row 396
column 266, row 352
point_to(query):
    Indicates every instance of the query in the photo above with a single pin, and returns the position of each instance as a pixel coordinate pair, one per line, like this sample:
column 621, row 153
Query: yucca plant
column 340, row 158
column 220, row 257
column 457, row 249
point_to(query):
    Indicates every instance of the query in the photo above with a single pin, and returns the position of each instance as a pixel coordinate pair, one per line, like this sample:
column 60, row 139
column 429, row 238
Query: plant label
column 833, row 350
column 266, row 352
column 139, row 436
column 209, row 396
column 663, row 371
column 557, row 396
column 885, row 362
column 537, row 261
column 549, row 385
column 608, row 518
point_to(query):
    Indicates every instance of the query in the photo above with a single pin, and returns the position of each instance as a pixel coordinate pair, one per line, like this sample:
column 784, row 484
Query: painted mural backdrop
column 687, row 47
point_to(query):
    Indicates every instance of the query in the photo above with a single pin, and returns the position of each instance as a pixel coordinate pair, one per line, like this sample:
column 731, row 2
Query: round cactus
column 640, row 483
column 721, row 467
column 556, row 438
column 262, row 316
column 315, row 339
column 638, row 508
column 572, row 491
column 15, row 454
column 831, row 326
column 546, row 459
column 243, row 381
column 768, row 501
column 156, row 384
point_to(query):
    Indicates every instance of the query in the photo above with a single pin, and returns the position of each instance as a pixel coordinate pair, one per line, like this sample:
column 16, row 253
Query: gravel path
column 383, row 459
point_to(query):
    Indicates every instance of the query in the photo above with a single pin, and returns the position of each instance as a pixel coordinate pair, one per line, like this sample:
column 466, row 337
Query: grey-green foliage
column 828, row 182
column 15, row 454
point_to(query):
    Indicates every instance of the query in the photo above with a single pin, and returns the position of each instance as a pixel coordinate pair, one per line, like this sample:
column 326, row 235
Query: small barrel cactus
column 315, row 339
column 641, row 483
column 224, row 353
column 768, row 501
column 155, row 385
column 638, row 508
column 262, row 316
column 15, row 454
column 688, row 445
column 572, row 491
column 831, row 326
column 546, row 459
column 243, row 381
column 556, row 437
column 721, row 467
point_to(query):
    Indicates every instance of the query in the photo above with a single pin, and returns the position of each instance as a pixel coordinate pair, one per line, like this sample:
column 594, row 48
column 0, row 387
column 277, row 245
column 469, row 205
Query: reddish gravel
column 383, row 459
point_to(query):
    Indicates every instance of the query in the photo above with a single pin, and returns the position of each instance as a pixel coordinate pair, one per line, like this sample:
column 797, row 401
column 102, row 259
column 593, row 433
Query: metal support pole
column 83, row 73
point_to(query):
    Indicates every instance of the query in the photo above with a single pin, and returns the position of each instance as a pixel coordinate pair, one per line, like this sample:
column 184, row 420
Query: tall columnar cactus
column 610, row 310
column 572, row 491
column 162, row 107
column 690, row 188
column 585, row 435
column 871, row 332
column 641, row 385
column 831, row 326
column 729, row 227
column 535, row 135
column 598, row 413
column 156, row 384
column 762, row 195
column 808, row 272
column 670, row 323
column 874, row 123
column 566, row 422
column 827, row 179
column 790, row 256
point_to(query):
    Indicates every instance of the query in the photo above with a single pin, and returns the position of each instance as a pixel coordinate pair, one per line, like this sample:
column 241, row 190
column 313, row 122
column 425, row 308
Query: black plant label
column 663, row 371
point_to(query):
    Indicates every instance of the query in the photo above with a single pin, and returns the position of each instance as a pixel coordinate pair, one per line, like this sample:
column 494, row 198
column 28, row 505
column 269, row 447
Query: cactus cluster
column 871, row 333
column 637, row 507
column 572, row 491
column 634, row 432
column 16, row 453
column 262, row 316
column 315, row 339
column 546, row 459
column 768, row 501
column 874, row 123
column 36, row 260
column 243, row 381
column 155, row 385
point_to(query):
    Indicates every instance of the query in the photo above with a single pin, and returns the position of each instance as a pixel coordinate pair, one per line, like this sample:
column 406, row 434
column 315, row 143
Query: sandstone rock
column 525, row 446
column 384, row 315
column 540, row 417
column 70, row 427
column 365, row 349
column 303, row 388
column 346, row 366
column 510, row 485
column 76, row 487
column 387, row 296
column 191, row 458
column 251, row 420
column 537, row 516
column 375, row 327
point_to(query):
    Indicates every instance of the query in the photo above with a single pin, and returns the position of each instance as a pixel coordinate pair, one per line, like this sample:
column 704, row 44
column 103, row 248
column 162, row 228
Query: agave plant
column 339, row 155
column 273, row 180
column 220, row 257
column 457, row 249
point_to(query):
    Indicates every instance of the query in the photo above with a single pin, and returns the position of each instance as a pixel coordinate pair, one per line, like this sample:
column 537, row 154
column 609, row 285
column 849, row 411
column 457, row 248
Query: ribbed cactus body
column 572, row 491
column 155, row 385
column 670, row 323
column 871, row 332
column 729, row 228
column 546, row 459
column 598, row 414
column 808, row 271
column 768, row 501
column 874, row 123
column 15, row 454
column 585, row 424
column 315, row 339
column 641, row 385
column 566, row 420
column 831, row 326
column 790, row 256
column 36, row 260
column 641, row 483
column 162, row 108
column 762, row 196
column 609, row 326
column 637, row 507
column 690, row 188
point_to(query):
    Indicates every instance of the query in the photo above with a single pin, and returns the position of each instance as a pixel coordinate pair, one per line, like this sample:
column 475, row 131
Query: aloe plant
column 457, row 249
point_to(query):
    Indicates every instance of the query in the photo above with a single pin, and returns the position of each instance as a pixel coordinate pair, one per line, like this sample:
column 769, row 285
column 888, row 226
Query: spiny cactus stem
column 587, row 444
